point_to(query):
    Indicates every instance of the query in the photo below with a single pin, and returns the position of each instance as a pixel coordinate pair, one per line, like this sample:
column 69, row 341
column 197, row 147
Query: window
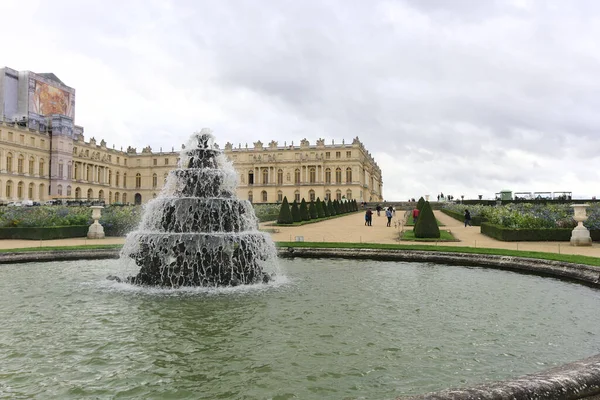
column 166, row 161
column 154, row 181
column 327, row 195
column 30, row 191
column 312, row 175
column 264, row 196
column 338, row 195
column 60, row 190
column 338, row 154
column 250, row 178
column 9, row 186
column 109, row 177
column 124, row 181
column 9, row 162
column 32, row 141
column 348, row 154
column 60, row 170
column 77, row 171
column 297, row 196
column 349, row 194
column 280, row 177
column 69, row 171
column 348, row 175
column 124, row 163
column 90, row 194
column 118, row 160
column 124, row 197
column 20, row 163
column 265, row 174
column 327, row 155
column 101, row 195
column 311, row 195
column 88, row 173
column 280, row 196
column 117, row 179
column 31, row 165
column 78, row 193
column 69, row 190
column 250, row 196
column 98, row 174
column 41, row 168
column 297, row 176
column 20, row 190
column 338, row 175
column 138, row 181
column 155, row 162
column 328, row 175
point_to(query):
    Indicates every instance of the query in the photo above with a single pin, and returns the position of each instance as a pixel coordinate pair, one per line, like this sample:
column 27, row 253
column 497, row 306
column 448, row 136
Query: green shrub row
column 475, row 221
column 48, row 233
column 531, row 235
column 313, row 210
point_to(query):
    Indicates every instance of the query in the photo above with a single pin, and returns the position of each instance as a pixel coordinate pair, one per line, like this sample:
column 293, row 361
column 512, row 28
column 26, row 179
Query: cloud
column 464, row 97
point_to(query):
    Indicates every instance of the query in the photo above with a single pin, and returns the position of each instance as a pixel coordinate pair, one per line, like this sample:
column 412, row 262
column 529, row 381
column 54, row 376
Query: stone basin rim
column 576, row 380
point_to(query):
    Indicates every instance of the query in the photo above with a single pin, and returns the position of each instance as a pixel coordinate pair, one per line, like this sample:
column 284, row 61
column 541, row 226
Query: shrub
column 326, row 209
column 304, row 216
column 426, row 226
column 526, row 235
column 312, row 210
column 266, row 212
column 420, row 204
column 336, row 207
column 296, row 212
column 320, row 208
column 285, row 214
column 331, row 208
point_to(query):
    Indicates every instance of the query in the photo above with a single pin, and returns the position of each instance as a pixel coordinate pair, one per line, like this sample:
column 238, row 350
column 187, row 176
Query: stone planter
column 580, row 235
column 96, row 230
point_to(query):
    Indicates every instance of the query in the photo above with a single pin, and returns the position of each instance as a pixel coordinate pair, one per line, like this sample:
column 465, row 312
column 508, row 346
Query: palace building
column 43, row 156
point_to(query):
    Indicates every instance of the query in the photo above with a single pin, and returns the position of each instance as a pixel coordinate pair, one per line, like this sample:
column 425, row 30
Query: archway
column 138, row 199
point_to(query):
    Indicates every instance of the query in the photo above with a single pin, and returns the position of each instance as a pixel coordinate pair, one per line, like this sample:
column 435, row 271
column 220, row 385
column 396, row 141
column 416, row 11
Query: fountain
column 197, row 233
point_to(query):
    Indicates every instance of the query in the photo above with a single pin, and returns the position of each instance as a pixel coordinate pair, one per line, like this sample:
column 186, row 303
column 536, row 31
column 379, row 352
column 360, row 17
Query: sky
column 463, row 97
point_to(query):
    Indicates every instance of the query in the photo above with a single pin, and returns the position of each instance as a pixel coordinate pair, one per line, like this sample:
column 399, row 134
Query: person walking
column 415, row 215
column 388, row 214
column 467, row 218
column 369, row 217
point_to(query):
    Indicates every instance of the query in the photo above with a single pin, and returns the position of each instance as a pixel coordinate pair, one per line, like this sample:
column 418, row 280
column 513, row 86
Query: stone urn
column 96, row 230
column 580, row 235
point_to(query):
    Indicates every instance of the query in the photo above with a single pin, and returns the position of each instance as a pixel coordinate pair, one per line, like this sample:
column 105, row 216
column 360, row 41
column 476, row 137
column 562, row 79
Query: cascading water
column 197, row 233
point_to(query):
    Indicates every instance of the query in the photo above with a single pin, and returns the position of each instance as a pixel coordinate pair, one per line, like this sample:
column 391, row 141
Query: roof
column 52, row 77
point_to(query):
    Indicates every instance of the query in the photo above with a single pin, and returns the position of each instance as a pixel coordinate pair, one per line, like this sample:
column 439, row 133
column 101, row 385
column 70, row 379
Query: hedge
column 47, row 233
column 531, row 235
column 475, row 221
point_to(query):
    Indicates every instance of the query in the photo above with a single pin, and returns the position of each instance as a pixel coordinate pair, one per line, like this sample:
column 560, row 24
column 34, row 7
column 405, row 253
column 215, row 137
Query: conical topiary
column 336, row 207
column 420, row 204
column 426, row 226
column 296, row 212
column 304, row 215
column 331, row 208
column 325, row 209
column 320, row 210
column 285, row 214
column 312, row 210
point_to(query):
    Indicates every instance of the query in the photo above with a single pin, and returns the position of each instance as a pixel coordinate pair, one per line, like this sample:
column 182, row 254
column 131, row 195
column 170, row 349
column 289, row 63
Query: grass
column 571, row 258
column 64, row 248
column 445, row 236
column 411, row 222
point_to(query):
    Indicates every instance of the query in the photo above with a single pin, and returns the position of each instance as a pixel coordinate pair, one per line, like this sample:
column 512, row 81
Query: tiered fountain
column 197, row 233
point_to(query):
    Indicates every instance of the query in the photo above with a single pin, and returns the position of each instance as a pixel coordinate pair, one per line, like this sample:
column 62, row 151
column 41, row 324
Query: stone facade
column 43, row 156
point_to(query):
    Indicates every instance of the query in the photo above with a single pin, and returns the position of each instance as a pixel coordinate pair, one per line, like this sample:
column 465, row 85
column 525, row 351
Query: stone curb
column 57, row 255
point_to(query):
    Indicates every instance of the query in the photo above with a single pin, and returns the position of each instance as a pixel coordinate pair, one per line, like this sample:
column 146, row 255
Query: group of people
column 389, row 213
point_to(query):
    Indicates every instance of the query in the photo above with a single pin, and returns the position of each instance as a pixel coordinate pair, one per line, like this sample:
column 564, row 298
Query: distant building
column 43, row 155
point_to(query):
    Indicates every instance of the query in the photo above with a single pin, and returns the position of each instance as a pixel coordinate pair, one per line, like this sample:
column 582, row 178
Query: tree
column 326, row 209
column 336, row 207
column 426, row 226
column 285, row 214
column 304, row 215
column 320, row 210
column 420, row 204
column 296, row 212
column 312, row 210
column 331, row 208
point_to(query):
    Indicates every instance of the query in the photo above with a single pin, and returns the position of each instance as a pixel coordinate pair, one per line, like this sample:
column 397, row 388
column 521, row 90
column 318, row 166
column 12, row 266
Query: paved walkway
column 351, row 228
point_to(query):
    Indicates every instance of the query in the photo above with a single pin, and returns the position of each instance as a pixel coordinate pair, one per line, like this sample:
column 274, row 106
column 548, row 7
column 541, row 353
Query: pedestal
column 581, row 236
column 96, row 231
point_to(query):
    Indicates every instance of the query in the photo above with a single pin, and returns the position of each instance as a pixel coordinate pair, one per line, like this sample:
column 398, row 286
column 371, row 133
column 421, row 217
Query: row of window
column 312, row 176
column 20, row 194
column 311, row 196
column 32, row 140
column 10, row 167
column 139, row 161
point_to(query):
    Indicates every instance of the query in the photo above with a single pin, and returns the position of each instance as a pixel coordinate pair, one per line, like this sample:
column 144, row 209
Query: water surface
column 325, row 329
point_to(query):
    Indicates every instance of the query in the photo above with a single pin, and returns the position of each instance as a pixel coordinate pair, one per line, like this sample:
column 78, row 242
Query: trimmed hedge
column 530, row 235
column 426, row 226
column 285, row 214
column 45, row 233
column 475, row 221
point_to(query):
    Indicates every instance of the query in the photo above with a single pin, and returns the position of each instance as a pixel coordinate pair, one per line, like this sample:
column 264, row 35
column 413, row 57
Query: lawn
column 445, row 236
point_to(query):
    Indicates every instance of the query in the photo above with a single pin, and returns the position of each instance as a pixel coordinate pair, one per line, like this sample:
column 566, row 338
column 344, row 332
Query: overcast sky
column 463, row 97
